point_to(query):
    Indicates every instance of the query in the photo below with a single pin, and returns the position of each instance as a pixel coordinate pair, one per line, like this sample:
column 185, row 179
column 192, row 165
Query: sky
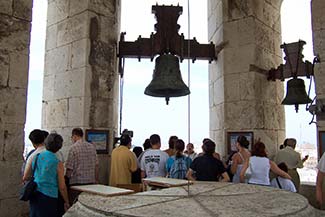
column 146, row 115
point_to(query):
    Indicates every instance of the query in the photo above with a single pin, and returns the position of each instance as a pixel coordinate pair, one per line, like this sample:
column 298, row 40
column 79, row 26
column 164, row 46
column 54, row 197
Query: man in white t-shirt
column 320, row 180
column 153, row 161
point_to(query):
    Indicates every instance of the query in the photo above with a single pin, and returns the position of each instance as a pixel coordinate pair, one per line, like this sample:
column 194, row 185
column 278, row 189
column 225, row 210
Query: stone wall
column 318, row 26
column 241, row 98
column 15, row 26
column 81, row 79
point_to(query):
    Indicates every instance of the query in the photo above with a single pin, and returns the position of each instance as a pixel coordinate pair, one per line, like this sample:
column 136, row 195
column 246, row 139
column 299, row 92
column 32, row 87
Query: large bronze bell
column 296, row 93
column 167, row 79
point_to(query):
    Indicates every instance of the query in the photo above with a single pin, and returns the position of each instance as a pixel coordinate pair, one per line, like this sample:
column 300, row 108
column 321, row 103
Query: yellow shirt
column 123, row 163
column 290, row 157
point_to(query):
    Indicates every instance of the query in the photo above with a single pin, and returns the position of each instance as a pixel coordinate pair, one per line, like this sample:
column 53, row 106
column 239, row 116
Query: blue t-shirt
column 46, row 175
column 178, row 167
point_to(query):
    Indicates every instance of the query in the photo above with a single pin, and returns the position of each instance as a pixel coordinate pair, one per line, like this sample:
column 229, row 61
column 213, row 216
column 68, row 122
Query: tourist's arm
column 189, row 175
column 225, row 177
column 234, row 164
column 278, row 171
column 319, row 187
column 134, row 163
column 243, row 170
column 62, row 186
column 28, row 169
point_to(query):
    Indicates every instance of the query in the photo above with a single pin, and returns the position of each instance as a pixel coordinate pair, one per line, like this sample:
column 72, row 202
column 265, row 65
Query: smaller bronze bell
column 296, row 93
column 167, row 79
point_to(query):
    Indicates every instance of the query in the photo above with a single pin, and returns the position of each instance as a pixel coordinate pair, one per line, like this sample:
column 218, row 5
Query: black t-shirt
column 207, row 168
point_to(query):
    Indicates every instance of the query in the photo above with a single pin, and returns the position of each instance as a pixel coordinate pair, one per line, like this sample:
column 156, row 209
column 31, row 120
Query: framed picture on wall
column 232, row 140
column 321, row 147
column 99, row 138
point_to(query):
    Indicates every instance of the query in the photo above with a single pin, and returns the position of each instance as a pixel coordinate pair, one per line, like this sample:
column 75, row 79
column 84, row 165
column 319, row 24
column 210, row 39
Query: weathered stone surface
column 72, row 29
column 56, row 113
column 106, row 8
column 57, row 11
column 13, row 111
column 4, row 68
column 12, row 207
column 77, row 111
column 12, row 137
column 10, row 177
column 80, row 52
column 78, row 6
column 57, row 60
column 48, row 88
column 18, row 76
column 51, row 37
column 14, row 34
column 218, row 93
column 6, row 7
column 205, row 199
column 23, row 9
column 317, row 11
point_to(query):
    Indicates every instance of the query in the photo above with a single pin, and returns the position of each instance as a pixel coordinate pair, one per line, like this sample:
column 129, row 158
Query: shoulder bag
column 29, row 187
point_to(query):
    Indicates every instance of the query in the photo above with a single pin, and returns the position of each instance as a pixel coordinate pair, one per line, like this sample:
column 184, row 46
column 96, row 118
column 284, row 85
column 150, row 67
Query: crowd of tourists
column 54, row 176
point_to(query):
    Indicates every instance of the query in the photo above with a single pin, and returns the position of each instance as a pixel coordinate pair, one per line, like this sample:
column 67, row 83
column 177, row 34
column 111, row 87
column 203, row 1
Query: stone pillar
column 241, row 98
column 318, row 28
column 80, row 78
column 15, row 26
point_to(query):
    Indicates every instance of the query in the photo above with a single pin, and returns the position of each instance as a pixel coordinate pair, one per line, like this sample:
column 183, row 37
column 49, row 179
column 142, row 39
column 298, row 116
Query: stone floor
column 202, row 199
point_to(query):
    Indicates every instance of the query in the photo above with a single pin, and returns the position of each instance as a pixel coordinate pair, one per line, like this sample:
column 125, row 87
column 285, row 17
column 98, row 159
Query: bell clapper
column 167, row 100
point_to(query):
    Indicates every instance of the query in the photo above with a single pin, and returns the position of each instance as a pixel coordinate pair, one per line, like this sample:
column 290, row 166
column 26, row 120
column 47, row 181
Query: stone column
column 15, row 26
column 80, row 78
column 241, row 98
column 318, row 28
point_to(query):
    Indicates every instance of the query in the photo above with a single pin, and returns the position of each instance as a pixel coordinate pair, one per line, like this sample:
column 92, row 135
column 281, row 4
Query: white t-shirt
column 286, row 184
column 321, row 164
column 260, row 168
column 153, row 162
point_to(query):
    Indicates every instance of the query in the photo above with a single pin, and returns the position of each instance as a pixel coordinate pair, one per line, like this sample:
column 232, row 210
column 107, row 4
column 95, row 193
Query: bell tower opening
column 296, row 25
column 146, row 115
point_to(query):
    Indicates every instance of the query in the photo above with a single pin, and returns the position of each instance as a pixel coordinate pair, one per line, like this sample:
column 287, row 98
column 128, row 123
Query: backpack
column 179, row 168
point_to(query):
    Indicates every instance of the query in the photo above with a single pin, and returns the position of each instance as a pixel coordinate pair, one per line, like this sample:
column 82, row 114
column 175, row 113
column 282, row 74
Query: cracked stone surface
column 204, row 199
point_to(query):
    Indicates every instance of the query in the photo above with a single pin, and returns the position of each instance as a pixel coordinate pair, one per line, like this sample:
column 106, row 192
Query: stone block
column 72, row 29
column 57, row 11
column 6, row 7
column 216, row 68
column 265, row 59
column 215, row 20
column 239, row 59
column 212, row 4
column 264, row 36
column 57, row 60
column 249, row 86
column 109, row 28
column 77, row 7
column 246, row 31
column 76, row 112
column 317, row 14
column 48, row 87
column 101, row 112
column 14, row 34
column 23, row 9
column 238, row 9
column 216, row 117
column 12, row 207
column 18, row 76
column 103, row 7
column 270, row 139
column 13, row 111
column 319, row 41
column 218, row 93
column 232, row 88
column 10, row 178
column 244, row 115
column 4, row 68
column 231, row 32
column 80, row 53
column 56, row 113
column 12, row 137
column 51, row 37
